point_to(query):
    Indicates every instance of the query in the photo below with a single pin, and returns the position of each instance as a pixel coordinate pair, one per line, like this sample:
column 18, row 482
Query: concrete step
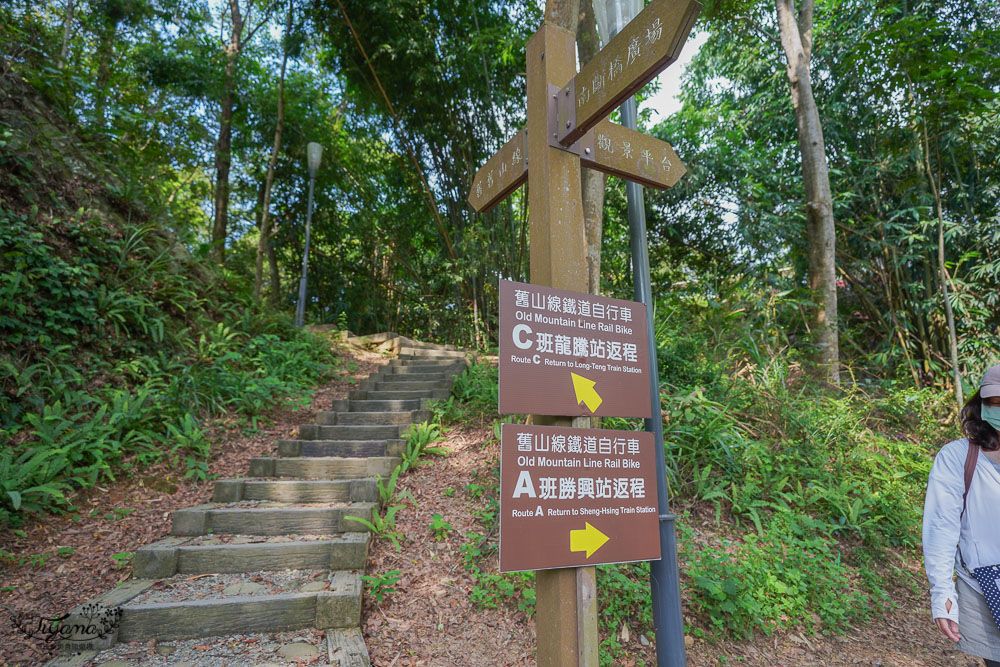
column 388, row 385
column 296, row 491
column 438, row 365
column 361, row 405
column 374, row 338
column 346, row 648
column 323, row 468
column 430, row 353
column 81, row 620
column 371, row 418
column 269, row 519
column 160, row 615
column 342, row 647
column 428, row 346
column 427, row 359
column 341, row 448
column 243, row 553
column 371, row 395
column 432, row 370
column 404, row 378
column 443, row 365
column 351, row 432
column 405, row 385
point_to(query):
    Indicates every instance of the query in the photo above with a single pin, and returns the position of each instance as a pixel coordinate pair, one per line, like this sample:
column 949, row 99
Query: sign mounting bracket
column 557, row 122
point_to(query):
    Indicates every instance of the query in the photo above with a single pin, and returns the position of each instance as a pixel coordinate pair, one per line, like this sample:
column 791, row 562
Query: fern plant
column 383, row 525
column 26, row 481
column 418, row 439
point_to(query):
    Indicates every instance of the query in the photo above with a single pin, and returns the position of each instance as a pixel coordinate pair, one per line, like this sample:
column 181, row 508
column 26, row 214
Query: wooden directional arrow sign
column 608, row 147
column 573, row 497
column 502, row 174
column 632, row 155
column 647, row 45
column 643, row 49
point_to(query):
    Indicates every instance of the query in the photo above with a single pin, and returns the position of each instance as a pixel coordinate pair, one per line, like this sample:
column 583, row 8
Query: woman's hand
column 947, row 626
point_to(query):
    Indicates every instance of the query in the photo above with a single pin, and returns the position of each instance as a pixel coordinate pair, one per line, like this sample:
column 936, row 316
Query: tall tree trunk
column 266, row 226
column 926, row 324
column 563, row 13
column 224, row 144
column 105, row 52
column 272, row 257
column 592, row 182
column 67, row 29
column 796, row 39
column 275, row 285
column 943, row 271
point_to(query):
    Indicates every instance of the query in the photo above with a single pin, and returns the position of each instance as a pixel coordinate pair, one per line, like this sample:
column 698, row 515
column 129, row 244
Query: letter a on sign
column 524, row 485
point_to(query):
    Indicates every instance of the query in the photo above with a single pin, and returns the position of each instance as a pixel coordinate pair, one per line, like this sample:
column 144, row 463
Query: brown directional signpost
column 572, row 497
column 567, row 353
column 608, row 147
column 633, row 57
column 566, row 127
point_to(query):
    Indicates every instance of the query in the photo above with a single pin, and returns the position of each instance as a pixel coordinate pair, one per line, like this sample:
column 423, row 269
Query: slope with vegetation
column 117, row 343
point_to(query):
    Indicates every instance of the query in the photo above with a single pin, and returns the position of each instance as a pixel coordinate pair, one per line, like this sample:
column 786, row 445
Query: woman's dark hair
column 975, row 429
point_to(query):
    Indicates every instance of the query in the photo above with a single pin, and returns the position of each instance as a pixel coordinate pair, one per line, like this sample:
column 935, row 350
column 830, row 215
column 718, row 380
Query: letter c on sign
column 518, row 341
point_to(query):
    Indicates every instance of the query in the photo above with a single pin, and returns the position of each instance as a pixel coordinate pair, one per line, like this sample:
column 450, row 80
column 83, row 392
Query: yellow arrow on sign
column 589, row 539
column 585, row 392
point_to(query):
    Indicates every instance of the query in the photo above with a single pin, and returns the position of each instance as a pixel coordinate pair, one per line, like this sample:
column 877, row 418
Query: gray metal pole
column 664, row 577
column 300, row 309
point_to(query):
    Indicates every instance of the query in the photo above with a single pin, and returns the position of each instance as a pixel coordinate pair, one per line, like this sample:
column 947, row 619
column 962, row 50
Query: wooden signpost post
column 566, row 128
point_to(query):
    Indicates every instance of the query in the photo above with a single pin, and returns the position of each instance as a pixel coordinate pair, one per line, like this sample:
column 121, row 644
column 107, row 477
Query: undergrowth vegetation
column 419, row 437
column 791, row 492
column 382, row 524
column 117, row 346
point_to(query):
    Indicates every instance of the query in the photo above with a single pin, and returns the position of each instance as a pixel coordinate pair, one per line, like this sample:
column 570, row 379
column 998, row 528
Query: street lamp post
column 313, row 153
column 612, row 16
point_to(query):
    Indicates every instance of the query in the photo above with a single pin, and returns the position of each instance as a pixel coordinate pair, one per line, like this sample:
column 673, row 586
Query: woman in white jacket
column 951, row 535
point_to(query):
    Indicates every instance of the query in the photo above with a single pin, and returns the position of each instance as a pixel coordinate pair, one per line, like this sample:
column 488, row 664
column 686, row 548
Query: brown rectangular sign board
column 644, row 48
column 575, row 497
column 571, row 353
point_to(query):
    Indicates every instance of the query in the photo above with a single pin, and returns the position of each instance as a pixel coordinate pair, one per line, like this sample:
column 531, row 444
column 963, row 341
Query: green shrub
column 813, row 483
column 117, row 348
column 623, row 598
column 776, row 580
column 418, row 440
column 381, row 585
column 439, row 527
column 474, row 395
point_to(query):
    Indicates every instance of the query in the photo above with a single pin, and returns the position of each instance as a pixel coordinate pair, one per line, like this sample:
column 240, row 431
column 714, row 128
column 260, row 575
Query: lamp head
column 313, row 153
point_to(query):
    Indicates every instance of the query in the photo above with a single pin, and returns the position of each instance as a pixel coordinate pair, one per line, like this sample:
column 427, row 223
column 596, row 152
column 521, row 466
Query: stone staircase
column 273, row 552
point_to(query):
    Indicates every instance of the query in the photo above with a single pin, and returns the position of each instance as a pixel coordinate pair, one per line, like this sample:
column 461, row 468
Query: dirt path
column 117, row 518
column 430, row 619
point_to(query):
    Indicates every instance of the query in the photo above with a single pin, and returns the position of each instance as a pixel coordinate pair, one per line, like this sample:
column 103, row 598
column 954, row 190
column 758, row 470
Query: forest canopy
column 208, row 107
